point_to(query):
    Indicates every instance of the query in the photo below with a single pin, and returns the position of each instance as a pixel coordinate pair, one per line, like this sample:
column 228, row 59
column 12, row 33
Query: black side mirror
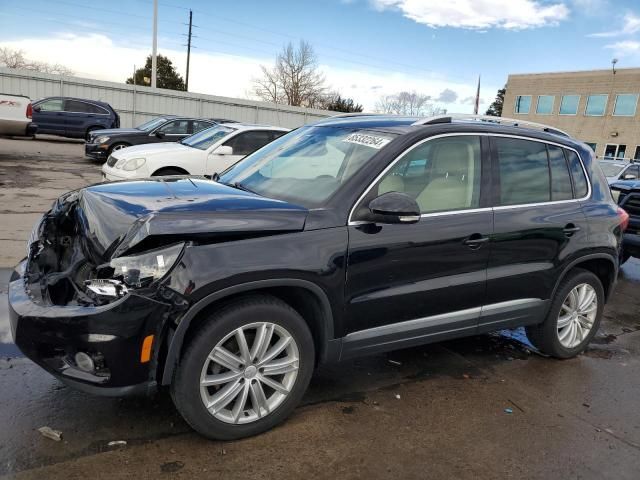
column 160, row 134
column 37, row 108
column 394, row 207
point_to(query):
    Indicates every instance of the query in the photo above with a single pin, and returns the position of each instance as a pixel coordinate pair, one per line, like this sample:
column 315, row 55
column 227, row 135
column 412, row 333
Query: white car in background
column 207, row 152
column 15, row 115
column 616, row 170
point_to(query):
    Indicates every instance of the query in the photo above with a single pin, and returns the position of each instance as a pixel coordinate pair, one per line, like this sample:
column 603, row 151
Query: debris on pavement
column 508, row 410
column 395, row 362
column 50, row 433
column 397, row 396
column 117, row 443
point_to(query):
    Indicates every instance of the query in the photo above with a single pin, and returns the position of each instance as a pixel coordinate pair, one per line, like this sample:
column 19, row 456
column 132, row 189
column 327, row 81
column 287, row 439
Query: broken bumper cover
column 111, row 334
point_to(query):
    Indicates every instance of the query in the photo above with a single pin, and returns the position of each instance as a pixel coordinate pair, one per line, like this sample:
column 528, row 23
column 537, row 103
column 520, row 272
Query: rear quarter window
column 577, row 172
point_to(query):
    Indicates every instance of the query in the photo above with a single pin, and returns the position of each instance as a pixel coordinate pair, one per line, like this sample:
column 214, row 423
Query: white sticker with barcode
column 367, row 140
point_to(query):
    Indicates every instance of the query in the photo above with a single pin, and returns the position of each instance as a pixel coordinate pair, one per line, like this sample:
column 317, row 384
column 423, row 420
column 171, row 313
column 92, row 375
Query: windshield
column 205, row 138
column 151, row 124
column 611, row 169
column 308, row 165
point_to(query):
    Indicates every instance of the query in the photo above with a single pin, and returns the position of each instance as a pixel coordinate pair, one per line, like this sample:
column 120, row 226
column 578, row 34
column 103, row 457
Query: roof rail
column 357, row 114
column 489, row 119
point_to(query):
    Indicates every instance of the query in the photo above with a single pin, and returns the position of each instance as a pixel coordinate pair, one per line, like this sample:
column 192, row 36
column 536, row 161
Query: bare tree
column 407, row 103
column 294, row 79
column 11, row 58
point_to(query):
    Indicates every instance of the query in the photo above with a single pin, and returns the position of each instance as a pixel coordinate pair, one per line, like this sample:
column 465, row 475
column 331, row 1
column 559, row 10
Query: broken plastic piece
column 50, row 433
column 106, row 287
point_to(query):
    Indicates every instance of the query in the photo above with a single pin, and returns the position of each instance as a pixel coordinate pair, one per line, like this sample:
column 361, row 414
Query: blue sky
column 366, row 47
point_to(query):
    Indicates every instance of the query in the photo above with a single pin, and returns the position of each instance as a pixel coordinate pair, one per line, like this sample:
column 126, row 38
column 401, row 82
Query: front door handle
column 570, row 229
column 475, row 241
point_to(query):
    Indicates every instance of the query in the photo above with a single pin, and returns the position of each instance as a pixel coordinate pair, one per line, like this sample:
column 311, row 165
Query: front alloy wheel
column 244, row 369
column 249, row 373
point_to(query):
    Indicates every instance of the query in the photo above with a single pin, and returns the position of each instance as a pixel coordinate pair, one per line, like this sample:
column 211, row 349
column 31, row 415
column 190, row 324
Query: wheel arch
column 302, row 295
column 181, row 170
column 603, row 265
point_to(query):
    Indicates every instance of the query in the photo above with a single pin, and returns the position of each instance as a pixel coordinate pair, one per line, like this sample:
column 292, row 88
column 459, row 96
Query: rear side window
column 524, row 171
column 82, row 107
column 560, row 178
column 248, row 142
column 577, row 172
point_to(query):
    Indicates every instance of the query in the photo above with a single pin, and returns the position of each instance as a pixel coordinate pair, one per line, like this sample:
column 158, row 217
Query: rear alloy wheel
column 245, row 369
column 573, row 318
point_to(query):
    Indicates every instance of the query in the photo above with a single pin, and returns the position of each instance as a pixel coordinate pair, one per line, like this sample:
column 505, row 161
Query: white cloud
column 625, row 48
column 479, row 14
column 630, row 26
column 99, row 57
column 590, row 7
column 447, row 96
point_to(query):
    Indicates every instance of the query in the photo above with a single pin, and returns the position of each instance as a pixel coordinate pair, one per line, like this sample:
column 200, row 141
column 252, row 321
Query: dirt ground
column 33, row 173
column 484, row 407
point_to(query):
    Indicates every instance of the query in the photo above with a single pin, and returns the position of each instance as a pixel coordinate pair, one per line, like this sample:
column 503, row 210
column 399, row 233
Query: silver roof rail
column 357, row 114
column 489, row 119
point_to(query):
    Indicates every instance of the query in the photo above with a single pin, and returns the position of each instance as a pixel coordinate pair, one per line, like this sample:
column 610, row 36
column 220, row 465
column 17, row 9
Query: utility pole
column 186, row 83
column 154, row 62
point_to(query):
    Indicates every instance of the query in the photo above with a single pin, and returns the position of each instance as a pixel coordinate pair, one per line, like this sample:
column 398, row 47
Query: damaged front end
column 67, row 266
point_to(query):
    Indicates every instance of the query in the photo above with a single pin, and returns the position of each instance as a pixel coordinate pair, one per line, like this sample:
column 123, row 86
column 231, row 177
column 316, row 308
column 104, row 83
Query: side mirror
column 394, row 207
column 223, row 150
column 629, row 176
column 160, row 134
column 37, row 108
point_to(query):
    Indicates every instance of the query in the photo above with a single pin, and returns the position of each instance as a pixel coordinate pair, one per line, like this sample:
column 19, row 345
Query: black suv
column 170, row 128
column 627, row 194
column 353, row 236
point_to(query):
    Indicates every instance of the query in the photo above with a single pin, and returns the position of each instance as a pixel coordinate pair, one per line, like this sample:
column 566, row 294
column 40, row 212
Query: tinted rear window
column 560, row 178
column 577, row 172
column 524, row 171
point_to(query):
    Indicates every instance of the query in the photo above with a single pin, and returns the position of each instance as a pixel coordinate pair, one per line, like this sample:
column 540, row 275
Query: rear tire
column 567, row 330
column 88, row 132
column 238, row 411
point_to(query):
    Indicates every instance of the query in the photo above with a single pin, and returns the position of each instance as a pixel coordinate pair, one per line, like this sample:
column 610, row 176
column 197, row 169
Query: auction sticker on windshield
column 367, row 140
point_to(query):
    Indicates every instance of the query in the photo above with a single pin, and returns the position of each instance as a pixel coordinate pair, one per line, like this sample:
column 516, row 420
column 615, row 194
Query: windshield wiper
column 236, row 185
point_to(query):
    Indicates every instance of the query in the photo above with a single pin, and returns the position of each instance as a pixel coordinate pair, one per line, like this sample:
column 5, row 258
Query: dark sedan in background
column 73, row 117
column 101, row 143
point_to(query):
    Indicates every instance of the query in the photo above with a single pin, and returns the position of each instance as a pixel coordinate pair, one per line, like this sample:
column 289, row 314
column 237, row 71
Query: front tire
column 574, row 316
column 245, row 369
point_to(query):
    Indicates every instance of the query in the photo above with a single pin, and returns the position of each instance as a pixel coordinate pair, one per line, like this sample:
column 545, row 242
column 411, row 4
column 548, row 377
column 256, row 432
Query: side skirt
column 442, row 327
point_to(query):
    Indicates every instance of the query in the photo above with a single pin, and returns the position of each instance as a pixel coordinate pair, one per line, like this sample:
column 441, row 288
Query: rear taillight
column 624, row 219
column 29, row 111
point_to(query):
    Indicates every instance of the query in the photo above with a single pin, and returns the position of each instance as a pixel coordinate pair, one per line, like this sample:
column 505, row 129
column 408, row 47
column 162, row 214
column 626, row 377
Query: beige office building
column 599, row 107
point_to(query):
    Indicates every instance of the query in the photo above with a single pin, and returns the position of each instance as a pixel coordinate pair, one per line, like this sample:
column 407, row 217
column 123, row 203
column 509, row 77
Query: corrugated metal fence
column 139, row 104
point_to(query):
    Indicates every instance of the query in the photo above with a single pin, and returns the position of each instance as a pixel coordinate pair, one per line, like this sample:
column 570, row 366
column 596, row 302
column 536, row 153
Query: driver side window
column 440, row 175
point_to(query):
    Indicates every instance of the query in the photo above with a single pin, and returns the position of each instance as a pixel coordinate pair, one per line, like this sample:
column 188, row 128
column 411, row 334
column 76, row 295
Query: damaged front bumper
column 112, row 335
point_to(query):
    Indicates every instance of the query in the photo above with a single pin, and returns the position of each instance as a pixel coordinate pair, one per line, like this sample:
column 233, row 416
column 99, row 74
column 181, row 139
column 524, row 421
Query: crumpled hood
column 115, row 217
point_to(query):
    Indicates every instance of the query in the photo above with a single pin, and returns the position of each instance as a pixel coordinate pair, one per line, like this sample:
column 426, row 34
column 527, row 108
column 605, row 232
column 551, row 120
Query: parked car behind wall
column 73, row 117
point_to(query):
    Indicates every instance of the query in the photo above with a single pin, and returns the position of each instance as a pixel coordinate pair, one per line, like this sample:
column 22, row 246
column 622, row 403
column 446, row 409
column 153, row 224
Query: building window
column 596, row 105
column 523, row 104
column 569, row 104
column 545, row 104
column 625, row 105
column 613, row 151
column 636, row 156
column 592, row 146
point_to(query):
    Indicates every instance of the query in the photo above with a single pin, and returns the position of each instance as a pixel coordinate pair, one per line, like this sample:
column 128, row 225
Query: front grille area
column 631, row 203
column 111, row 161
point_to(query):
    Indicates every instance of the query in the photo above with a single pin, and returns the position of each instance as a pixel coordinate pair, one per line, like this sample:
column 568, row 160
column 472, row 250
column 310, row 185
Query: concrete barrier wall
column 136, row 105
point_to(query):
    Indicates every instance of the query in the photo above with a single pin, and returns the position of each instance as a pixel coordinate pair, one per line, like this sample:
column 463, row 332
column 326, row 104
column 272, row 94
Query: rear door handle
column 570, row 229
column 475, row 241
